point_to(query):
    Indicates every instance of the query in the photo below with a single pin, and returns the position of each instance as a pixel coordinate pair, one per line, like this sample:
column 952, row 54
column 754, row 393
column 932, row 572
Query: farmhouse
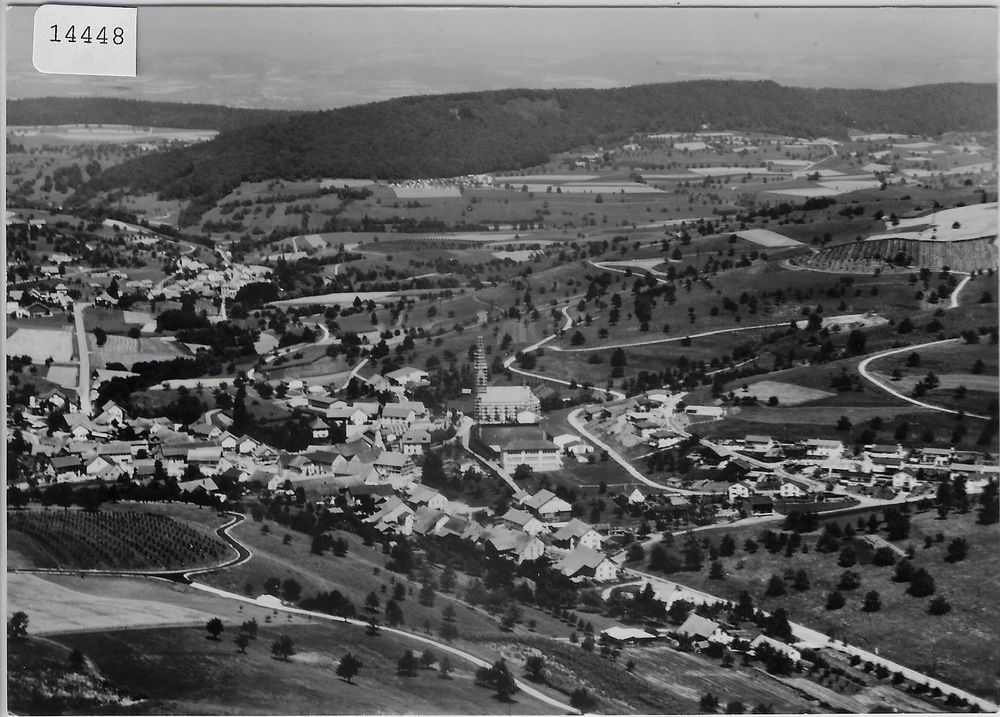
column 626, row 635
column 793, row 489
column 415, row 441
column 407, row 374
column 514, row 544
column 547, row 505
column 523, row 520
column 583, row 563
column 823, row 448
column 576, row 532
column 702, row 630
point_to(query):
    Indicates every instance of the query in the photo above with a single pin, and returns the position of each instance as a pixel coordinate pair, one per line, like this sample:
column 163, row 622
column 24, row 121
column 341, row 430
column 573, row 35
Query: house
column 427, row 520
column 636, row 497
column 738, row 490
column 877, row 452
column 706, row 411
column 547, row 505
column 400, row 412
column 583, row 563
column 524, row 521
column 394, row 517
column 576, row 532
column 787, row 650
column 111, row 414
column 756, row 505
column 67, row 468
column 407, row 374
column 513, row 544
column 415, row 441
column 346, row 415
column 626, row 635
column 793, row 489
column 422, row 495
column 96, row 465
column 320, row 431
column 937, row 456
column 702, row 630
column 901, row 480
column 205, row 458
column 823, row 448
column 757, row 444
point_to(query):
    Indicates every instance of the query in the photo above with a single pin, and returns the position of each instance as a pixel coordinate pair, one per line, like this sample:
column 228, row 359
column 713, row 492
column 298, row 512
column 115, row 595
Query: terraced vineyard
column 865, row 256
column 119, row 540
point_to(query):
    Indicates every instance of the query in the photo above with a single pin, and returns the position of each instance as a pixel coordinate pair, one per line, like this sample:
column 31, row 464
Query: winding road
column 245, row 554
column 866, row 374
column 83, row 386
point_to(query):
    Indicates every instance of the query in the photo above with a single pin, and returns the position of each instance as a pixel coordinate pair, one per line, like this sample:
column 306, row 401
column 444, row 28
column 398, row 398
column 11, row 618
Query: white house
column 546, row 505
column 740, row 489
column 823, row 448
column 407, row 374
column 524, row 521
column 793, row 489
column 636, row 497
column 576, row 532
column 583, row 563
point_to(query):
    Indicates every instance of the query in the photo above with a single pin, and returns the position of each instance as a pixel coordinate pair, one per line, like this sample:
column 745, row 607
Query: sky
column 322, row 58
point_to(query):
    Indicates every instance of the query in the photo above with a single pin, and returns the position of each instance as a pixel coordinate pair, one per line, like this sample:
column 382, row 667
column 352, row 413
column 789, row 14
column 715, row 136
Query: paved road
column 83, row 385
column 650, row 342
column 865, row 374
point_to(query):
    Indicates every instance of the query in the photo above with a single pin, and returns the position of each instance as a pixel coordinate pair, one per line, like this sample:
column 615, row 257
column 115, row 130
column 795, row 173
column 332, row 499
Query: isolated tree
column 716, row 571
column 903, row 572
column 393, row 613
column 801, row 581
column 447, row 581
column 77, row 661
column 775, row 586
column 958, row 549
column 938, row 605
column 427, row 659
column 445, row 668
column 348, row 667
column 873, row 603
column 835, row 600
column 921, row 583
column 534, row 668
column 17, row 625
column 708, row 703
column 242, row 642
column 291, row 590
column 582, row 700
column 283, row 648
column 407, row 664
column 847, row 557
column 214, row 627
column 371, row 602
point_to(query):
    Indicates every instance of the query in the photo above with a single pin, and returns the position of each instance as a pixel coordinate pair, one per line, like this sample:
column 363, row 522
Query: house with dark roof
column 583, row 563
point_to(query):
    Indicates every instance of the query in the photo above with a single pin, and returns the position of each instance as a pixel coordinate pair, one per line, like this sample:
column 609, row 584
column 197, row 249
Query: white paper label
column 85, row 40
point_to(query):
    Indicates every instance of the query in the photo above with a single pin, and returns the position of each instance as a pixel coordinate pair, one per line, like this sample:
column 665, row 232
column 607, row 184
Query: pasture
column 767, row 238
column 961, row 647
column 144, row 662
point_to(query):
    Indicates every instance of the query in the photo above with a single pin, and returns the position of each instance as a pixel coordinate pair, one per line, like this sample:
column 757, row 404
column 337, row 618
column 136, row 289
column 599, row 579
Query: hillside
column 968, row 255
column 449, row 135
column 105, row 110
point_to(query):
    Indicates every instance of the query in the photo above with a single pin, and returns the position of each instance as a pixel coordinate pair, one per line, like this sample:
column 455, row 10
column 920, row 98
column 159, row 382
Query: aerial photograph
column 521, row 360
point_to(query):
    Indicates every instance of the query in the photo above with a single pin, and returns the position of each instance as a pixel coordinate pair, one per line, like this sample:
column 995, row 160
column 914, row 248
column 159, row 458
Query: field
column 767, row 238
column 961, row 647
column 109, row 540
column 788, row 394
column 144, row 664
column 41, row 344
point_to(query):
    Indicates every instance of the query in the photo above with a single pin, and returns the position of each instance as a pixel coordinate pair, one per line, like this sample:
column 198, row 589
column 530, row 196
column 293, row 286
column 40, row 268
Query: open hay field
column 41, row 344
column 788, row 394
column 56, row 607
column 767, row 238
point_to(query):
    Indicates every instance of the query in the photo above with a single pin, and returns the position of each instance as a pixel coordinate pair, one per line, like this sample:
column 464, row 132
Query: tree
column 283, row 648
column 348, row 667
column 407, row 665
column 582, row 700
column 534, row 668
column 843, row 423
column 958, row 549
column 847, row 557
column 291, row 590
column 426, row 596
column 727, row 546
column 371, row 602
column 447, row 581
column 775, row 586
column 214, row 627
column 708, row 703
column 77, row 660
column 17, row 625
column 921, row 583
column 393, row 613
column 242, row 642
column 427, row 660
column 938, row 605
column 445, row 668
column 873, row 603
column 498, row 677
column 835, row 600
column 801, row 582
column 903, row 572
column 716, row 571
column 777, row 625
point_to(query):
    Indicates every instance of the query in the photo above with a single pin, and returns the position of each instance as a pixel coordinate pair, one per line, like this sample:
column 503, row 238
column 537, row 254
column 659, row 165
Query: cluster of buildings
column 196, row 278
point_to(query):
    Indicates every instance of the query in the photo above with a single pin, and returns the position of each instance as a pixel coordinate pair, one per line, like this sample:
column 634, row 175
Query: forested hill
column 109, row 110
column 448, row 135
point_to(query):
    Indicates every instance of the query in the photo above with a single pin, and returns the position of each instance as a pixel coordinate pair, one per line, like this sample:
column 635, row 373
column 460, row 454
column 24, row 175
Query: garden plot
column 788, row 394
column 128, row 351
column 768, row 238
column 41, row 344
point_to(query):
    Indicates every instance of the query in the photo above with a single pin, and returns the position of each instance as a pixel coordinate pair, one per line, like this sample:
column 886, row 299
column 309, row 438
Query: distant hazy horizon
column 323, row 58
